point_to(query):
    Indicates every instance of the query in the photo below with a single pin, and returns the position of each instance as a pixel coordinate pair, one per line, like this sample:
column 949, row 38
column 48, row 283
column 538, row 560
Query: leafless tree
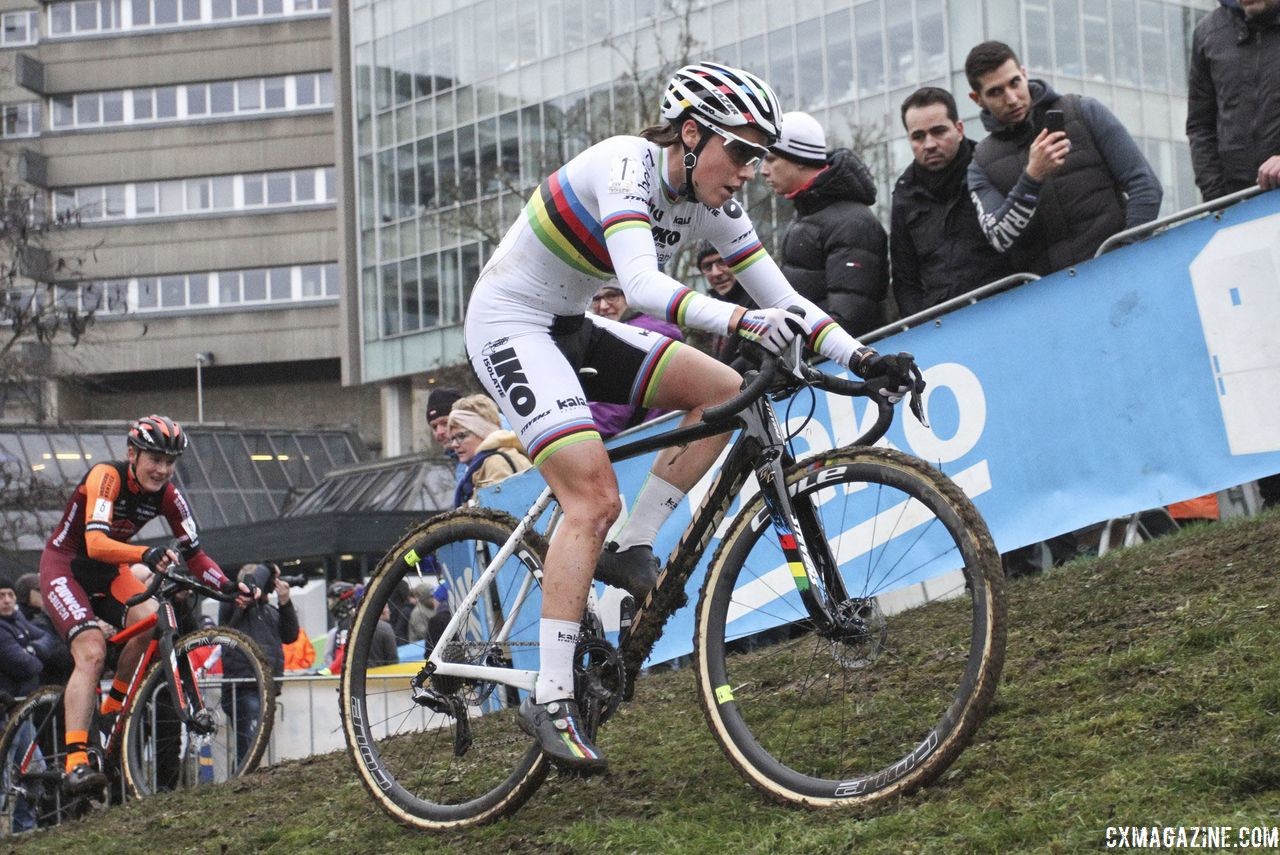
column 36, row 302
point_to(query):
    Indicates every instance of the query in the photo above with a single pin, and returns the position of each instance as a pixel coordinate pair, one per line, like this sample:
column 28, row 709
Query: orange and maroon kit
column 84, row 570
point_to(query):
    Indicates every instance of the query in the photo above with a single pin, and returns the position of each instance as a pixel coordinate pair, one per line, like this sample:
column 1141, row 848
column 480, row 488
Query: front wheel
column 33, row 753
column 880, row 701
column 232, row 713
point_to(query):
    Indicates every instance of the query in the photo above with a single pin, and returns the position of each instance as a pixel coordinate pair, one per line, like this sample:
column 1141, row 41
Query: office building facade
column 190, row 146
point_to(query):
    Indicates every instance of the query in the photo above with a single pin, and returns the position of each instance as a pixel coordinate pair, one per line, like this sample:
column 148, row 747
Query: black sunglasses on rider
column 741, row 151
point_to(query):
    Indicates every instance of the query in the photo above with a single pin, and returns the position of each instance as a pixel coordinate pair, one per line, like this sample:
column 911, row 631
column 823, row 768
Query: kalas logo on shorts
column 566, row 403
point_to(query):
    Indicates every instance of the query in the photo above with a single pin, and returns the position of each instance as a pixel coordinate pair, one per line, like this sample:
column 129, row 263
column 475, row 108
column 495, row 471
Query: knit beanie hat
column 803, row 140
column 440, row 401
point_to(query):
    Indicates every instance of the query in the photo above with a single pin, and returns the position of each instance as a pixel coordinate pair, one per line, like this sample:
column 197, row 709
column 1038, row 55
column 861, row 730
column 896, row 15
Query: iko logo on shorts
column 504, row 367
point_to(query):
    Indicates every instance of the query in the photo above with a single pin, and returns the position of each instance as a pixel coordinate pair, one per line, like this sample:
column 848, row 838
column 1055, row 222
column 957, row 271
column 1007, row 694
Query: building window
column 256, row 96
column 19, row 28
column 71, row 18
column 205, row 195
column 20, row 120
column 299, row 283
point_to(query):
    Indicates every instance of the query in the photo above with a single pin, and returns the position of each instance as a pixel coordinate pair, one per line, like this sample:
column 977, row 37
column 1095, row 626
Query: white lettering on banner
column 922, row 441
column 1234, row 281
column 972, row 406
column 845, row 424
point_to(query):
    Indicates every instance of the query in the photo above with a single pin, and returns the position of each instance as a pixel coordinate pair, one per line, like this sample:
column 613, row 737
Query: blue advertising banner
column 1141, row 378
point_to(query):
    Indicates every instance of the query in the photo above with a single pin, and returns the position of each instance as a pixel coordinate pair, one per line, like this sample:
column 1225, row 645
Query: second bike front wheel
column 881, row 701
column 235, row 709
column 32, row 755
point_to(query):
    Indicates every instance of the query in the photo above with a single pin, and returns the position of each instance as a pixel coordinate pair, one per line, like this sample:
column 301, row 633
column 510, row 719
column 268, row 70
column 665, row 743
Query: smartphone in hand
column 1054, row 121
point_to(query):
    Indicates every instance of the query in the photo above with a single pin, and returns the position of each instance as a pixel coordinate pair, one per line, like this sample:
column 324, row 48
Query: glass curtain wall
column 460, row 109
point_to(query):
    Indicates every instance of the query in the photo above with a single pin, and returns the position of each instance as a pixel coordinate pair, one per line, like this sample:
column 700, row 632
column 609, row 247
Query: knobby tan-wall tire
column 977, row 669
column 136, row 726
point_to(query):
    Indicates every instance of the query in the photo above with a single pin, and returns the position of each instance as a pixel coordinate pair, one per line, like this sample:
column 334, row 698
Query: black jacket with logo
column 937, row 248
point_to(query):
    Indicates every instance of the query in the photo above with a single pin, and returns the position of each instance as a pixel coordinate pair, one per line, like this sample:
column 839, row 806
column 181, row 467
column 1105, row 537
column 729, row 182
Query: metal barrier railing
column 1128, row 236
column 933, row 312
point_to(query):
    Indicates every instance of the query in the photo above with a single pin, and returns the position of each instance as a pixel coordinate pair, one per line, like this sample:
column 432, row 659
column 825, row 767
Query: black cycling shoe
column 634, row 570
column 83, row 779
column 557, row 726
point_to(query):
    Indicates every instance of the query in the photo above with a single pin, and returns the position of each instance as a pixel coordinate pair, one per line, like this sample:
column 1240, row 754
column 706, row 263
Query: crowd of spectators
column 1055, row 176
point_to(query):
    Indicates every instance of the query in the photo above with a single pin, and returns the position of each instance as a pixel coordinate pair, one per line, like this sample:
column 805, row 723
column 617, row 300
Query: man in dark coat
column 723, row 285
column 270, row 628
column 1233, row 100
column 835, row 252
column 1233, row 110
column 23, row 647
column 937, row 248
column 1046, row 198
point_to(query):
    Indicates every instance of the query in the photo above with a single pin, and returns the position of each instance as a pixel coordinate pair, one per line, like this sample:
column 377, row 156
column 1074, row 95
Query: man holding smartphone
column 1058, row 174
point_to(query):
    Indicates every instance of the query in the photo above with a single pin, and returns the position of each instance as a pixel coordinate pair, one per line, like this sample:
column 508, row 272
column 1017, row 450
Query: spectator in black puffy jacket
column 936, row 245
column 1233, row 100
column 835, row 252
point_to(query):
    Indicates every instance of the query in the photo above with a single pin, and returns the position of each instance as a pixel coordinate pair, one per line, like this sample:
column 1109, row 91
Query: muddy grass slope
column 1140, row 689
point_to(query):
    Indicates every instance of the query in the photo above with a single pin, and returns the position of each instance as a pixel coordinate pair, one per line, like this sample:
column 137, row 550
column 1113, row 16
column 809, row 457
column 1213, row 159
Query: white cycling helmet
column 729, row 97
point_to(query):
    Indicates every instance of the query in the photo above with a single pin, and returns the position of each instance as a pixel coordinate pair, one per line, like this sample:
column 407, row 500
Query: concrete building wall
column 203, row 244
column 293, row 394
column 273, row 364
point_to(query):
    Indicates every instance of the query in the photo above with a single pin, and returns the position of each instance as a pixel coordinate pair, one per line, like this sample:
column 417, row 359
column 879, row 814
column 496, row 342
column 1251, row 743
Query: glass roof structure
column 415, row 482
column 230, row 475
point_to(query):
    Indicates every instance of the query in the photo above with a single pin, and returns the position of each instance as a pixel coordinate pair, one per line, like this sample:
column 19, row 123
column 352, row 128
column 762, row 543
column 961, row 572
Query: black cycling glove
column 892, row 376
column 153, row 556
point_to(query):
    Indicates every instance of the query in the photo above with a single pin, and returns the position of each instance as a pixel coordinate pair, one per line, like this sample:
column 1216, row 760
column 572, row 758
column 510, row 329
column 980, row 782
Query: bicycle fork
column 178, row 674
column 796, row 523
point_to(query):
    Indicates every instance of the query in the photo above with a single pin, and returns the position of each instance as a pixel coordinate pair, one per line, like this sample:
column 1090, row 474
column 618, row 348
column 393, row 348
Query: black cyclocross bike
column 848, row 638
column 183, row 723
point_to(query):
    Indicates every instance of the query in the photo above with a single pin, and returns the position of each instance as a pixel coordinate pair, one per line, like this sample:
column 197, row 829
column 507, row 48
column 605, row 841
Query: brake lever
column 915, row 400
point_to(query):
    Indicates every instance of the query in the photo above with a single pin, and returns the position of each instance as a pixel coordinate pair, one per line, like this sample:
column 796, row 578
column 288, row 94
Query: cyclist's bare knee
column 144, row 609
column 89, row 650
column 141, row 572
column 594, row 513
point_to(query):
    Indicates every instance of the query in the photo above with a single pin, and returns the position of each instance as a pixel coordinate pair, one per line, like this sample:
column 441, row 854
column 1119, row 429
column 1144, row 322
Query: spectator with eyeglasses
column 489, row 453
column 609, row 302
column 723, row 285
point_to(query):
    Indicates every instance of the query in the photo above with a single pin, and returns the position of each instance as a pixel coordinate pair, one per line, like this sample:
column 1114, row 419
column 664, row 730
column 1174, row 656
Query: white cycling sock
column 650, row 510
column 556, row 640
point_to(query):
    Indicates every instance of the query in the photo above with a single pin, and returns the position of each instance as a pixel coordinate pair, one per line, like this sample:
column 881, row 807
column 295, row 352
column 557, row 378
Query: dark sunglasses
column 741, row 151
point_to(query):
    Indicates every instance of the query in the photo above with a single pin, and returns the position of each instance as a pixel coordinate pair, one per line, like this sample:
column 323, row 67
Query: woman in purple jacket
column 609, row 302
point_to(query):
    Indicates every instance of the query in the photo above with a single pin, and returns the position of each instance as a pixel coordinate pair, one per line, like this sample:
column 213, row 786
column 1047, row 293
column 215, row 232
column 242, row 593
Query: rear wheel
column 233, row 714
column 449, row 754
column 882, row 701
